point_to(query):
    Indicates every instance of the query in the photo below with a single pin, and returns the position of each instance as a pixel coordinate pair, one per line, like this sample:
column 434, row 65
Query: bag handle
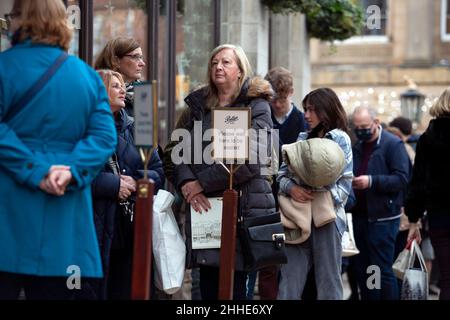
column 36, row 87
column 415, row 251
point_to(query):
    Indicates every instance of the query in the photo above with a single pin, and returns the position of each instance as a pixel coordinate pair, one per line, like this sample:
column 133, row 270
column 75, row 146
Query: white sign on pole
column 143, row 115
column 231, row 133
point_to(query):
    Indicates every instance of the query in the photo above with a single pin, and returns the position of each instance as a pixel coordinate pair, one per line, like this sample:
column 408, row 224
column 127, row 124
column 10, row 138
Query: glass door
column 4, row 42
column 5, row 7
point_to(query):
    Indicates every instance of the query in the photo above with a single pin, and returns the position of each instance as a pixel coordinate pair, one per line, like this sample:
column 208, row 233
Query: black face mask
column 364, row 134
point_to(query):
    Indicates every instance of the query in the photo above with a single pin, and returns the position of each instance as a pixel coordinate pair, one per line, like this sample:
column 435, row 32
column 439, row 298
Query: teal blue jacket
column 68, row 122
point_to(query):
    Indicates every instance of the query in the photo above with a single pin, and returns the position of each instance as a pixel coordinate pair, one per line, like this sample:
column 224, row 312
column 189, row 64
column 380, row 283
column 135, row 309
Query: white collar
column 282, row 119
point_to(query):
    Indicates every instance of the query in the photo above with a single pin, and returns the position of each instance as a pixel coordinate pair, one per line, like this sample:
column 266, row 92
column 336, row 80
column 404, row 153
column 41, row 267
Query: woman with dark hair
column 123, row 55
column 326, row 119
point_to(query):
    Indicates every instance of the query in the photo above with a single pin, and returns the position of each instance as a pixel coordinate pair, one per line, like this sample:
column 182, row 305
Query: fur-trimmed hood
column 259, row 88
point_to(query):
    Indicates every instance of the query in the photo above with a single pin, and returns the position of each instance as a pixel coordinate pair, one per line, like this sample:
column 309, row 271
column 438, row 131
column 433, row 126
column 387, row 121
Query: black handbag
column 262, row 239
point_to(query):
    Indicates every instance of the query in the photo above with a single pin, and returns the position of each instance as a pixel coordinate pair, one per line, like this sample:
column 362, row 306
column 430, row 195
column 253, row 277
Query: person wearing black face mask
column 381, row 169
column 365, row 134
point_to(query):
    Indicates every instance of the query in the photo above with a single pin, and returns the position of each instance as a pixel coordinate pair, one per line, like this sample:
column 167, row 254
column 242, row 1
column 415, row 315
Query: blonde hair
column 107, row 76
column 244, row 67
column 115, row 49
column 44, row 21
column 442, row 106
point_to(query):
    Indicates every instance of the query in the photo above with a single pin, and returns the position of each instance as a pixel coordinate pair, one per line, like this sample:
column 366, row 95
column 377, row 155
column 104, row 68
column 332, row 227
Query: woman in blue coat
column 50, row 151
column 113, row 193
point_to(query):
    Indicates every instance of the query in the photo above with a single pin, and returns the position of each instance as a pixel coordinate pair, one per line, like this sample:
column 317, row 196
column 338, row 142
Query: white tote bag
column 348, row 239
column 402, row 262
column 415, row 280
column 169, row 249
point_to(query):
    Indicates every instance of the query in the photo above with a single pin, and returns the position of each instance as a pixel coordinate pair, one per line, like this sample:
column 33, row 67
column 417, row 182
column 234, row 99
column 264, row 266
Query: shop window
column 74, row 19
column 195, row 40
column 375, row 13
column 5, row 7
column 445, row 20
column 113, row 18
column 375, row 23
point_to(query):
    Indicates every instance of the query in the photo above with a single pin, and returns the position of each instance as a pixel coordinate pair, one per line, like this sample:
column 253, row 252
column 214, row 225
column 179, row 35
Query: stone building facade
column 371, row 70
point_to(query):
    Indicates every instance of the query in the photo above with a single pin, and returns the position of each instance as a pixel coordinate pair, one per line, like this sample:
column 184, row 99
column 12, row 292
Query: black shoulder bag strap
column 43, row 80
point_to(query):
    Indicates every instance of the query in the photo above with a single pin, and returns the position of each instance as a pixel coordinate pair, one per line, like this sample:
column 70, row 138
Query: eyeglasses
column 135, row 57
column 10, row 16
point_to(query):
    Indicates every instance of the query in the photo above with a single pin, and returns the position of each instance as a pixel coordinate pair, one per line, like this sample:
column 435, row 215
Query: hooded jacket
column 429, row 187
column 256, row 197
column 339, row 189
column 318, row 162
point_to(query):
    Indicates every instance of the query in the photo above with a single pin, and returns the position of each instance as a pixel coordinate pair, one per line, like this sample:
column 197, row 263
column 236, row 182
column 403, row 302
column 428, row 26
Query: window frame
column 445, row 37
column 86, row 45
column 369, row 39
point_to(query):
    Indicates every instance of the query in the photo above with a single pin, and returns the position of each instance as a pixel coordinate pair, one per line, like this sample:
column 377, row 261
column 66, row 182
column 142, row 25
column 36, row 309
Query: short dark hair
column 328, row 108
column 403, row 124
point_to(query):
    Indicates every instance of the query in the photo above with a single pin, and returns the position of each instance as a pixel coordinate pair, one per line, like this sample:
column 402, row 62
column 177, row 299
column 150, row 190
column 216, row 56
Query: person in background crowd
column 326, row 119
column 123, row 55
column 286, row 117
column 404, row 125
column 381, row 168
column 51, row 148
column 229, row 84
column 429, row 188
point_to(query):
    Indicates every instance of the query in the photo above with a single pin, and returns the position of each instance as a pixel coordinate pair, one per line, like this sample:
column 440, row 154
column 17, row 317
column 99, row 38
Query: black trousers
column 209, row 283
column 35, row 287
column 440, row 239
column 120, row 275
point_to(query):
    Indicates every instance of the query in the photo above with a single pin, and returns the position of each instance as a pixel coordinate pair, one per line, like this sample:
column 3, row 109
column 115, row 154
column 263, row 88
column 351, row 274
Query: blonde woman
column 114, row 194
column 229, row 84
column 429, row 188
